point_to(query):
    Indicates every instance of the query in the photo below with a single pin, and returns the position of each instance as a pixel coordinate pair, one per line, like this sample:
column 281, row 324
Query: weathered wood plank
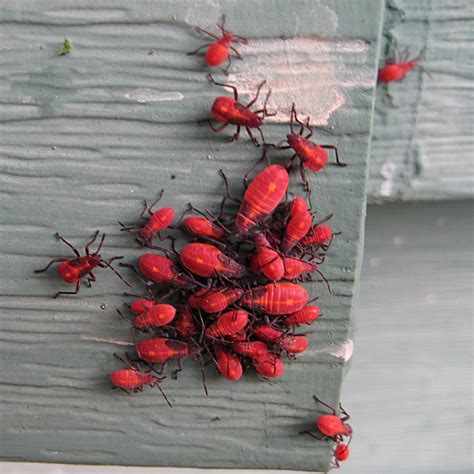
column 85, row 137
column 422, row 147
column 410, row 388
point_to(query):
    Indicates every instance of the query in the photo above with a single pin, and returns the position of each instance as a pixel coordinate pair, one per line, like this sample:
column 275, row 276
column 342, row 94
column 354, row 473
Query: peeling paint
column 110, row 341
column 344, row 351
column 304, row 72
column 151, row 95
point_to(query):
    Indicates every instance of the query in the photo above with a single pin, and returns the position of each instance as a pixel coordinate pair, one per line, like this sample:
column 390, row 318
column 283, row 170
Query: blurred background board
column 85, row 137
column 422, row 146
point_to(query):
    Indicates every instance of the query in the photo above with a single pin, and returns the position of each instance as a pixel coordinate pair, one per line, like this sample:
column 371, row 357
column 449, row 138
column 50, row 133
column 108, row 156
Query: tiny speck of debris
column 398, row 241
column 173, row 176
column 150, row 53
column 66, row 47
column 175, row 18
column 103, row 306
column 42, row 47
column 208, row 157
column 53, row 148
column 216, row 418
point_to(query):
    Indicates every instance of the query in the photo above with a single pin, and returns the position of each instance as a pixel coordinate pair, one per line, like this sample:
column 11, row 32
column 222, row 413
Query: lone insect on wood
column 231, row 111
column 331, row 426
column 73, row 270
column 396, row 69
column 218, row 51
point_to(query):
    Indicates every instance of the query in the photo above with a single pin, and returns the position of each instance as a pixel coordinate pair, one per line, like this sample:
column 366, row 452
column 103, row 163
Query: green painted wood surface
column 422, row 144
column 84, row 138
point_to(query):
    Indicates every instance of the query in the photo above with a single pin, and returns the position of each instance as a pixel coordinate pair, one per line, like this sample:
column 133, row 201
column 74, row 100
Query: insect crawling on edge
column 73, row 270
column 230, row 111
column 312, row 156
column 331, row 426
column 218, row 51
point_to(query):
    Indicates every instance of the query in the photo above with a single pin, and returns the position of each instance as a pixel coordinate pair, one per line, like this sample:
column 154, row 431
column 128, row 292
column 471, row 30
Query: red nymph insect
column 298, row 225
column 265, row 332
column 159, row 350
column 161, row 269
column 73, row 270
column 276, row 298
column 132, row 379
column 269, row 366
column 158, row 221
column 304, row 316
column 184, row 323
column 228, row 364
column 252, row 349
column 228, row 323
column 215, row 300
column 312, row 156
column 201, row 227
column 265, row 260
column 262, row 196
column 292, row 344
column 295, row 267
column 395, row 70
column 318, row 235
column 156, row 316
column 332, row 426
column 231, row 111
column 218, row 51
column 208, row 261
column 341, row 453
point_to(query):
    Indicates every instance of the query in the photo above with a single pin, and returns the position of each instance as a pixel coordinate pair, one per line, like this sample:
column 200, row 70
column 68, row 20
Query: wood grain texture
column 83, row 139
column 410, row 388
column 422, row 144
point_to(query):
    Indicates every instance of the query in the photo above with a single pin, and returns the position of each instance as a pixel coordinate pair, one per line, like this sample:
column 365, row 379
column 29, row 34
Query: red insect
column 227, row 324
column 276, row 298
column 156, row 316
column 298, row 224
column 265, row 260
column 269, row 366
column 312, row 156
column 218, row 52
column 265, row 332
column 202, row 227
column 292, row 344
column 159, row 350
column 208, row 261
column 73, row 270
column 158, row 221
column 184, row 322
column 215, row 300
column 304, row 316
column 318, row 235
column 229, row 364
column 341, row 453
column 333, row 426
column 252, row 349
column 231, row 111
column 141, row 305
column 161, row 269
column 132, row 380
column 262, row 196
column 396, row 70
column 294, row 268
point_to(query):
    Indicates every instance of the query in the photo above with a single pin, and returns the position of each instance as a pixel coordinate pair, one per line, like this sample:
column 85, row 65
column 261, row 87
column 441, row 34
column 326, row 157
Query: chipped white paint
column 389, row 173
column 304, row 72
column 151, row 95
column 344, row 351
column 100, row 339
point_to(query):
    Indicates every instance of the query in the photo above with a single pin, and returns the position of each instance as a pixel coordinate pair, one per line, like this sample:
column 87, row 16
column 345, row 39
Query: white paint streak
column 151, row 95
column 110, row 341
column 389, row 172
column 344, row 351
column 312, row 72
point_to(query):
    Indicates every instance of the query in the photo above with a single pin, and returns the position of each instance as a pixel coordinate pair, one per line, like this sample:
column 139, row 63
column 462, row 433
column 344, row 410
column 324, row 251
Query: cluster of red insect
column 231, row 296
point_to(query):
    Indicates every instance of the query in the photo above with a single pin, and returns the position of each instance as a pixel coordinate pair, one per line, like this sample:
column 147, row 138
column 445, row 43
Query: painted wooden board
column 422, row 145
column 410, row 388
column 84, row 138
